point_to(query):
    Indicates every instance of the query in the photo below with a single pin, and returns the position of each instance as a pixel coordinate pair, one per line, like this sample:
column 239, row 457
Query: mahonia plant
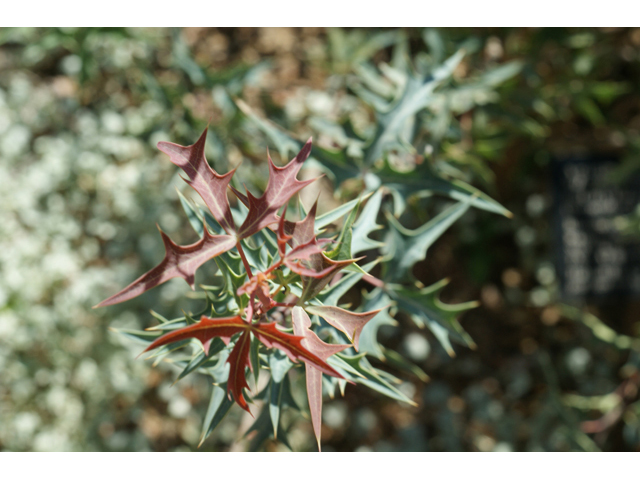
column 411, row 104
column 259, row 316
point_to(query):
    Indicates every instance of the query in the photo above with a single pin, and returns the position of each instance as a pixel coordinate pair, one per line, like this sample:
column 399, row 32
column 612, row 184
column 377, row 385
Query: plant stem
column 244, row 259
column 287, row 305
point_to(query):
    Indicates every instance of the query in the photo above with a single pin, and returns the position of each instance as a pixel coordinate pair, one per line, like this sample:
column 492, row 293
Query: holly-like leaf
column 302, row 327
column 279, row 366
column 305, row 246
column 282, row 185
column 366, row 224
column 426, row 309
column 204, row 180
column 416, row 95
column 205, row 330
column 209, row 328
column 179, row 261
column 238, row 362
column 269, row 334
column 338, row 212
column 423, row 179
column 358, row 369
column 378, row 298
column 303, row 231
column 348, row 322
column 406, row 247
column 219, row 405
column 321, row 263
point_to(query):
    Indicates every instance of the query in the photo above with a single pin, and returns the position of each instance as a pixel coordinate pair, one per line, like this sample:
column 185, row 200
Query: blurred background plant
column 82, row 185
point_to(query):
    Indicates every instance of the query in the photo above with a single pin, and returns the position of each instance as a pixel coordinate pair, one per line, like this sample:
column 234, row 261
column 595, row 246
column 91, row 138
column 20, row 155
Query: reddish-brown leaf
column 348, row 322
column 208, row 328
column 281, row 187
column 269, row 334
column 301, row 327
column 312, row 285
column 205, row 331
column 238, row 362
column 303, row 231
column 179, row 261
column 298, row 257
column 204, row 180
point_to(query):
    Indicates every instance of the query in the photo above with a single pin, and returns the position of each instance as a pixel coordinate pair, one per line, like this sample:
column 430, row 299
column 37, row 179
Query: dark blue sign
column 593, row 258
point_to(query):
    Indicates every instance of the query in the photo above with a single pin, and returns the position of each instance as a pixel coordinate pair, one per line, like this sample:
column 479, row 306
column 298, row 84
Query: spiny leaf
column 137, row 335
column 205, row 330
column 332, row 294
column 238, row 362
column 417, row 93
column 406, row 247
column 269, row 334
column 263, row 428
column 209, row 328
column 311, row 285
column 348, row 322
column 201, row 358
column 305, row 245
column 366, row 224
column 255, row 358
column 343, row 242
column 281, row 187
column 179, row 261
column 366, row 374
column 426, row 309
column 403, row 185
column 219, row 405
column 395, row 359
column 337, row 213
column 279, row 365
column 204, row 180
column 369, row 336
column 303, row 231
column 302, row 327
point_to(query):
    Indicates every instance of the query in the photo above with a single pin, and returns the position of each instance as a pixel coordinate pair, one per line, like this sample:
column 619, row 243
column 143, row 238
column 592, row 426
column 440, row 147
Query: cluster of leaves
column 270, row 267
column 394, row 158
column 297, row 273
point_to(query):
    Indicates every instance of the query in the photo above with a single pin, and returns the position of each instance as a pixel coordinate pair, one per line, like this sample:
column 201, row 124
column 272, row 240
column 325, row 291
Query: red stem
column 244, row 259
column 286, row 305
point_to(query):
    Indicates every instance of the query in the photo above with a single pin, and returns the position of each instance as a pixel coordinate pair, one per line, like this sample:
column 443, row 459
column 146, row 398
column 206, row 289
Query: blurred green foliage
column 82, row 184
